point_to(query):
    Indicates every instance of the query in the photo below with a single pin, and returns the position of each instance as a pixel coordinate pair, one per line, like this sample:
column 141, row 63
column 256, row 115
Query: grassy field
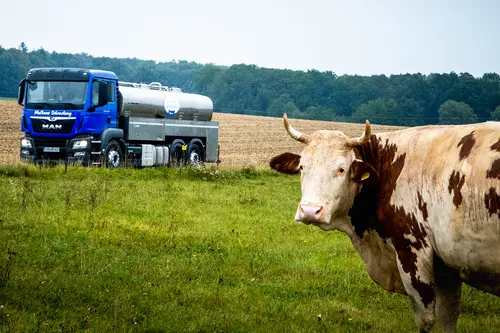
column 158, row 250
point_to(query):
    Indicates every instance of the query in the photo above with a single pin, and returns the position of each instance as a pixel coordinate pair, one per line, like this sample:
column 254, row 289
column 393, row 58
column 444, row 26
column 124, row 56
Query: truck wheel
column 176, row 153
column 195, row 154
column 113, row 155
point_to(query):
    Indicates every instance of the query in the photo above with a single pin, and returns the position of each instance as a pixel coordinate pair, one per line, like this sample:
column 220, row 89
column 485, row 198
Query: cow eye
column 341, row 170
column 301, row 167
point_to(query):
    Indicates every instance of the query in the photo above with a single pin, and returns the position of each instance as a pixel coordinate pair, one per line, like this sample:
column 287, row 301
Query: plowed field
column 10, row 113
column 244, row 140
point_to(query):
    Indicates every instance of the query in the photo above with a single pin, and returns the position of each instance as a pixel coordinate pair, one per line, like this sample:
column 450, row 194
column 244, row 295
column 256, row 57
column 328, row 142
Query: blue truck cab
column 70, row 114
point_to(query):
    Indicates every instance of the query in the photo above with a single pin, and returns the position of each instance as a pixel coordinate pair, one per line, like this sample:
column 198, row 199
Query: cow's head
column 331, row 175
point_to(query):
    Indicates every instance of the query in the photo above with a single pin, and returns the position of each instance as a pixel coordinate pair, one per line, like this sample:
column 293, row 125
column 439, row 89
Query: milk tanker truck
column 88, row 116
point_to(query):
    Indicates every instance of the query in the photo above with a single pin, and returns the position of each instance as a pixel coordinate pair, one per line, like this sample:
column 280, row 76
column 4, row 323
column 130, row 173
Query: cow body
column 421, row 206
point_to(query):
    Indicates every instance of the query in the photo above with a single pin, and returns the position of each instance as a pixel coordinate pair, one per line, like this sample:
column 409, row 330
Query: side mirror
column 103, row 94
column 20, row 92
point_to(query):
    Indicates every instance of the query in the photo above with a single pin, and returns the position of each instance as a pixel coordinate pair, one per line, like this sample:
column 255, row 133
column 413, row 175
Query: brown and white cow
column 420, row 205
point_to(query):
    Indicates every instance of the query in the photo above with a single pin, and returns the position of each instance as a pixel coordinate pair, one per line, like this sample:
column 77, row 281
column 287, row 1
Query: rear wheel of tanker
column 177, row 153
column 113, row 155
column 195, row 154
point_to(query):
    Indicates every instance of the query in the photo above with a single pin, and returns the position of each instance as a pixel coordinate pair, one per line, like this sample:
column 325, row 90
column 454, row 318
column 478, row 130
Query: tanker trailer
column 76, row 114
column 156, row 101
column 155, row 114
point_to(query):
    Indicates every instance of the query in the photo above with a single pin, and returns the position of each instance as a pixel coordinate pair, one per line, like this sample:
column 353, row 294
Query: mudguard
column 109, row 134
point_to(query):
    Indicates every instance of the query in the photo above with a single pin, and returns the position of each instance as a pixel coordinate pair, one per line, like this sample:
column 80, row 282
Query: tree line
column 403, row 99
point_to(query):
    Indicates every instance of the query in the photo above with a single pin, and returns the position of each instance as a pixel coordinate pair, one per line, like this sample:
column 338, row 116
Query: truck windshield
column 56, row 95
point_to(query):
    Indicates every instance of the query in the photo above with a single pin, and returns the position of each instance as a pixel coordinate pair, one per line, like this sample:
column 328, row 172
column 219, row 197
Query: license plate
column 51, row 149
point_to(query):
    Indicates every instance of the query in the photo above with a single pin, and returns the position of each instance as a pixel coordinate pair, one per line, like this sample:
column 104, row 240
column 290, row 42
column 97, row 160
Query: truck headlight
column 80, row 144
column 26, row 143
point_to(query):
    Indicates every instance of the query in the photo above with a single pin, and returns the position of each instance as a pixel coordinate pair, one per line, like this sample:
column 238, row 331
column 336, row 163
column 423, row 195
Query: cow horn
column 304, row 138
column 362, row 139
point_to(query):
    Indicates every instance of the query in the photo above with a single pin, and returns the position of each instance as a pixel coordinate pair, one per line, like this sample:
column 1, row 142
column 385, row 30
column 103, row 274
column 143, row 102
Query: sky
column 363, row 37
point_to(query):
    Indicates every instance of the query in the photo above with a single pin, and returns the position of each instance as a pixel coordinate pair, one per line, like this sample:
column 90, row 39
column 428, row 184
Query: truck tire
column 177, row 155
column 113, row 155
column 196, row 154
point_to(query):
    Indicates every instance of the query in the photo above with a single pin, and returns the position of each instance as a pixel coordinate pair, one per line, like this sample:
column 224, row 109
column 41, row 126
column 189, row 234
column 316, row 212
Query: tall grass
column 191, row 250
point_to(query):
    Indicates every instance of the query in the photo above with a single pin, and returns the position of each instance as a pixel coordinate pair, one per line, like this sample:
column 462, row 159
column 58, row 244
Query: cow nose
column 311, row 213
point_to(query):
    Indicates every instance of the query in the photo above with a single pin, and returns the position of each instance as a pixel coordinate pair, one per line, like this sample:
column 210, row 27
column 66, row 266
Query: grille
column 56, row 126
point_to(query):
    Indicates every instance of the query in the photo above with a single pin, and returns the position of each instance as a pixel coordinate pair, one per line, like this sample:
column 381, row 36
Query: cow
column 421, row 206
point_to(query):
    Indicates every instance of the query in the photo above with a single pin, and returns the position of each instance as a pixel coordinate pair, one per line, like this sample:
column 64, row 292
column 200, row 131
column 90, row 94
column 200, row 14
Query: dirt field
column 244, row 140
column 254, row 140
column 10, row 113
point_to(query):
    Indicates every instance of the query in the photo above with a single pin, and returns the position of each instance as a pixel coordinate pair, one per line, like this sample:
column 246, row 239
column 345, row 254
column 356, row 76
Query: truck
column 88, row 116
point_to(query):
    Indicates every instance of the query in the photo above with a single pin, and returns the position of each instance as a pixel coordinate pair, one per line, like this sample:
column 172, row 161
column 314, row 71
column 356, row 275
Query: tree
column 319, row 113
column 277, row 106
column 495, row 115
column 453, row 112
column 409, row 113
column 490, row 90
column 380, row 111
column 292, row 110
column 439, row 87
column 204, row 78
column 23, row 47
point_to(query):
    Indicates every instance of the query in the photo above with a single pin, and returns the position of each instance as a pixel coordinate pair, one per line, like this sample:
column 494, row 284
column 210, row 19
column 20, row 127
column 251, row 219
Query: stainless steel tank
column 156, row 101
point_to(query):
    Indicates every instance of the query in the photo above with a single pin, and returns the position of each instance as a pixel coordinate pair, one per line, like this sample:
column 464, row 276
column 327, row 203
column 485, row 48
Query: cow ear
column 362, row 172
column 286, row 163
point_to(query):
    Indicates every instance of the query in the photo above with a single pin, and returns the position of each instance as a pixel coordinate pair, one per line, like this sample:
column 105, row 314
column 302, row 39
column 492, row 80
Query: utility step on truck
column 88, row 116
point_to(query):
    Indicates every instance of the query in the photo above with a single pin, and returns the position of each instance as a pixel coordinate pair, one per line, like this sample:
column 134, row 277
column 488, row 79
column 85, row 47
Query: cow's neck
column 363, row 213
column 366, row 232
column 379, row 258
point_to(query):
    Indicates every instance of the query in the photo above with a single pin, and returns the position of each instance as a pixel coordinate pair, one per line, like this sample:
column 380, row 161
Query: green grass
column 158, row 250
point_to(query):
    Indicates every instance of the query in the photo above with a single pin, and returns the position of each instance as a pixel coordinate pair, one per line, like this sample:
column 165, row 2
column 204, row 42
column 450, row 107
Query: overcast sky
column 344, row 36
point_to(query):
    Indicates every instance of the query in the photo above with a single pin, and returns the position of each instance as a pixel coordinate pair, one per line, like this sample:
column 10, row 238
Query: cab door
column 102, row 113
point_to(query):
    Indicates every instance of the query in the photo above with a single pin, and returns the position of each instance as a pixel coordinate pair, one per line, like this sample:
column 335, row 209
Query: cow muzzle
column 308, row 212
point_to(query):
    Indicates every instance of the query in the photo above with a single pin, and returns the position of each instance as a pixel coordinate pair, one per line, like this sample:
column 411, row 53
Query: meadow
column 184, row 250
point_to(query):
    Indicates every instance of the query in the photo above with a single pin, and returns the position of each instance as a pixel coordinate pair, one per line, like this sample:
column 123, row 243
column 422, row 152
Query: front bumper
column 44, row 149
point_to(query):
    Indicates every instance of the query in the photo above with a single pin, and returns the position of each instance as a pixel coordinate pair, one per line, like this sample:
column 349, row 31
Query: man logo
column 52, row 127
column 52, row 119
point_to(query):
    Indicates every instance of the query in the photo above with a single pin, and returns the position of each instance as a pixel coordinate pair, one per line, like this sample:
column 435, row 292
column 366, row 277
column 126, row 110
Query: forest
column 401, row 99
